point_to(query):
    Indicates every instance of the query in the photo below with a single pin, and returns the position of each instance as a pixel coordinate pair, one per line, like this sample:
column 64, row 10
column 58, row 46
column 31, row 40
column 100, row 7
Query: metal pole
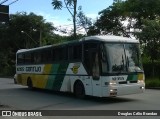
column 30, row 37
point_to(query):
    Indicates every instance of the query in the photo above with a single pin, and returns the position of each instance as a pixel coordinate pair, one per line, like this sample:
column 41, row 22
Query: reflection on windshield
column 116, row 57
column 133, row 57
column 121, row 58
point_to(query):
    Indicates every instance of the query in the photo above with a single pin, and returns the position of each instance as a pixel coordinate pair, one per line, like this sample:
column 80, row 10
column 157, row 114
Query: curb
column 158, row 88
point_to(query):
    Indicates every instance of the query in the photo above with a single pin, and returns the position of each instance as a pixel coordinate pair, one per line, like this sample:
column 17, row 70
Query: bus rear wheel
column 29, row 83
column 79, row 91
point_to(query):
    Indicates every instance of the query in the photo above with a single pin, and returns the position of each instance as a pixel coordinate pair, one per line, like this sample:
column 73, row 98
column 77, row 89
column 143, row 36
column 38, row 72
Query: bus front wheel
column 79, row 91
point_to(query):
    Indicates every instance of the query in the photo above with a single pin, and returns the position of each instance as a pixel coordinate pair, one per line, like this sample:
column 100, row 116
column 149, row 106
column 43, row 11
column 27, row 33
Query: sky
column 57, row 17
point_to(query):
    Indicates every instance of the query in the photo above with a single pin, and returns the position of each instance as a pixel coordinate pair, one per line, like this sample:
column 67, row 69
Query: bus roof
column 111, row 38
column 25, row 50
column 103, row 38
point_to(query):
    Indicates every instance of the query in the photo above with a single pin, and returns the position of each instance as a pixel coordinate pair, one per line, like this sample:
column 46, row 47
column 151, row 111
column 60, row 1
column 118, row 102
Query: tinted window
column 60, row 53
column 75, row 52
column 46, row 55
column 28, row 58
column 90, row 51
column 20, row 58
column 37, row 57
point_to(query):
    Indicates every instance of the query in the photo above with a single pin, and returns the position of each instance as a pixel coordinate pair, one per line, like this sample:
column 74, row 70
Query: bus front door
column 95, row 72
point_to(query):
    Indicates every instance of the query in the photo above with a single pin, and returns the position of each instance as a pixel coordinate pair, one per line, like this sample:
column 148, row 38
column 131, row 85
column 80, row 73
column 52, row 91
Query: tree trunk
column 74, row 17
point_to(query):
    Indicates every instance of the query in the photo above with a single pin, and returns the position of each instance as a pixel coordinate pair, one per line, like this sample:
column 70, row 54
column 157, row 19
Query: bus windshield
column 121, row 58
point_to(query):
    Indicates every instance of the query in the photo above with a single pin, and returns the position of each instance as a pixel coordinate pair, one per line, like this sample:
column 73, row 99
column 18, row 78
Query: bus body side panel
column 62, row 77
column 35, row 73
column 56, row 76
column 76, row 71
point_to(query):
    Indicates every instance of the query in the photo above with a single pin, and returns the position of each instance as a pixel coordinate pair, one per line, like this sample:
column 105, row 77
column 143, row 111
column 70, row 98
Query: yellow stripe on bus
column 140, row 76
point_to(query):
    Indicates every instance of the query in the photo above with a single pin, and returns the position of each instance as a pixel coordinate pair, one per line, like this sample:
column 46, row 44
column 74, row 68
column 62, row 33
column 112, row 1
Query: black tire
column 79, row 91
column 15, row 82
column 29, row 83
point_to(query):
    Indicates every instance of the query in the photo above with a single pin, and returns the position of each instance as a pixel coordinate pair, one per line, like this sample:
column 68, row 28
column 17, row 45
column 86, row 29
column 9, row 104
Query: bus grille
column 123, row 82
column 133, row 81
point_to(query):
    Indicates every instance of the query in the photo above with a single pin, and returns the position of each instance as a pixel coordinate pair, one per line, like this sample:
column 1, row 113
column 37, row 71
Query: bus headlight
column 142, row 87
column 140, row 81
column 113, row 92
column 112, row 82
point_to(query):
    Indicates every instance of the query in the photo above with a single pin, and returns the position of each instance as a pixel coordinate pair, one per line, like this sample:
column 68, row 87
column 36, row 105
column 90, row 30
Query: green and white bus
column 101, row 66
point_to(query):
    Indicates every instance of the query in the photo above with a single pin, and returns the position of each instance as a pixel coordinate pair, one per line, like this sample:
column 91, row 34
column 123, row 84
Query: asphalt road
column 16, row 97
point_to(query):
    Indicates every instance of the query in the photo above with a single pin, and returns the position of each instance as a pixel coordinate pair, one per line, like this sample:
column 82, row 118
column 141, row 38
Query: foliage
column 83, row 21
column 142, row 9
column 150, row 38
column 12, row 38
column 110, row 21
column 123, row 17
column 149, row 68
column 152, row 83
column 71, row 6
column 93, row 30
column 25, row 30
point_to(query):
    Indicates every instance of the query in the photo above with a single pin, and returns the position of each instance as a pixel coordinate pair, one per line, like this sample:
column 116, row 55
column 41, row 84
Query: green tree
column 29, row 30
column 111, row 19
column 124, row 17
column 150, row 40
column 71, row 6
column 93, row 30
column 83, row 21
column 12, row 38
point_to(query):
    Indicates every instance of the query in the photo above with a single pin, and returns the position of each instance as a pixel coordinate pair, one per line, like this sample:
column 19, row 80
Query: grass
column 152, row 83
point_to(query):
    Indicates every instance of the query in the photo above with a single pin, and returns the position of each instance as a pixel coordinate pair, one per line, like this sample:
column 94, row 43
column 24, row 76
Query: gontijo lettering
column 29, row 69
column 33, row 69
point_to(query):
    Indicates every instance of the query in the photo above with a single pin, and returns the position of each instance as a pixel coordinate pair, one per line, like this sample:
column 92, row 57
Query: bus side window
column 75, row 52
column 20, row 58
column 49, row 55
column 45, row 56
column 28, row 58
column 38, row 58
column 43, row 59
column 70, row 50
column 63, row 53
column 55, row 54
column 35, row 58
